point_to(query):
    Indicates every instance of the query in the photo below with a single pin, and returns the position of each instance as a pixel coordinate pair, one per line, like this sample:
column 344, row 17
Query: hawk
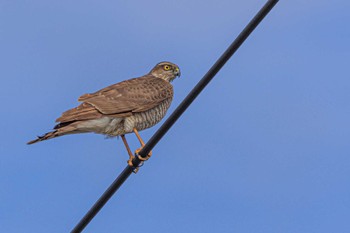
column 126, row 107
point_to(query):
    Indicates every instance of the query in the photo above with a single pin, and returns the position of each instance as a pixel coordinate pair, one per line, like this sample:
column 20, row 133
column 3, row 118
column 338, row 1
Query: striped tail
column 46, row 136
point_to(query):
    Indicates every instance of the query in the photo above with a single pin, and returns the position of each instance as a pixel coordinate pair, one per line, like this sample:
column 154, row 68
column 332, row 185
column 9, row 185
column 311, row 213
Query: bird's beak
column 177, row 72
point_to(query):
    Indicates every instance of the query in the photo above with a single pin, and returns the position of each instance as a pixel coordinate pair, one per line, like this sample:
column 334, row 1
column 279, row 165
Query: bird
column 122, row 108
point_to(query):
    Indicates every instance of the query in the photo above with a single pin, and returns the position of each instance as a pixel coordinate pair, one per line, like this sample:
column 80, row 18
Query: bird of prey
column 129, row 106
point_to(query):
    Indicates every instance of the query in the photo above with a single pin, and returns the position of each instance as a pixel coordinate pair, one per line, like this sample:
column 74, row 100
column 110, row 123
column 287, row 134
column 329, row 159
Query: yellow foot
column 136, row 169
column 141, row 158
column 130, row 162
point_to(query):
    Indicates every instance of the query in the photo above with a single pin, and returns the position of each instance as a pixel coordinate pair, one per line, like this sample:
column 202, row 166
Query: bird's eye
column 166, row 67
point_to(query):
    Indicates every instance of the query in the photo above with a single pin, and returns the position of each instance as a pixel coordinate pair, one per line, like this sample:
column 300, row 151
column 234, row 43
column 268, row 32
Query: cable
column 175, row 115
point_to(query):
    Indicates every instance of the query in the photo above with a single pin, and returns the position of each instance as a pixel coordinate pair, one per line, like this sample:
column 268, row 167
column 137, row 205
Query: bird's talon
column 130, row 162
column 136, row 169
column 142, row 158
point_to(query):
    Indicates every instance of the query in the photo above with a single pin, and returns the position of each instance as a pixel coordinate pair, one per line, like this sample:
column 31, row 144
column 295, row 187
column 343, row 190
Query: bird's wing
column 84, row 111
column 121, row 99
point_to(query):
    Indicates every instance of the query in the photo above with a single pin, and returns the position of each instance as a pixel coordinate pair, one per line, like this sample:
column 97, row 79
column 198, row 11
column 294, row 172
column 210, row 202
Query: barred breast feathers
column 147, row 119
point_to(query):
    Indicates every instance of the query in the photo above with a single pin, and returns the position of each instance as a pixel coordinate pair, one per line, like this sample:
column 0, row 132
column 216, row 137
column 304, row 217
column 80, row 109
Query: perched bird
column 129, row 106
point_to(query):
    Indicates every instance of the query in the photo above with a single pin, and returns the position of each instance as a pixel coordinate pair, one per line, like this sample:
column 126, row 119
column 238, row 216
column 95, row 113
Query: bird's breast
column 146, row 119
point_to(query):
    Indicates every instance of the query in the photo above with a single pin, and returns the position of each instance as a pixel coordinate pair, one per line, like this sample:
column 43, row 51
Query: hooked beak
column 177, row 72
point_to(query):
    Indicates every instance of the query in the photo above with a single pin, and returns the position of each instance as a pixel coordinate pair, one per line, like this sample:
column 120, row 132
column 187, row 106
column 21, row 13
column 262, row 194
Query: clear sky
column 265, row 148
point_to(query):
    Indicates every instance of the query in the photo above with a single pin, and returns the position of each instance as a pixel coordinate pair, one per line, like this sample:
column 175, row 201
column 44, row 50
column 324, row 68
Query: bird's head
column 166, row 70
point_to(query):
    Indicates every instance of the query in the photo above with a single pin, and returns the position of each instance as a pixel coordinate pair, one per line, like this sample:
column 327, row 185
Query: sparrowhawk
column 125, row 107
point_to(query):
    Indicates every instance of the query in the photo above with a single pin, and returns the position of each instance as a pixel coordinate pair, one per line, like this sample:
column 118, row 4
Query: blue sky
column 265, row 148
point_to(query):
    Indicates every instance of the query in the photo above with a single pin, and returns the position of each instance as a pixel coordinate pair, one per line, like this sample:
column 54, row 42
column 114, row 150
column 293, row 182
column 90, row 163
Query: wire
column 175, row 115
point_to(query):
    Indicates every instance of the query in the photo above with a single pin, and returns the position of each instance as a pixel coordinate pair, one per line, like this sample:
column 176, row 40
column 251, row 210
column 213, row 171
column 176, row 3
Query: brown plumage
column 122, row 108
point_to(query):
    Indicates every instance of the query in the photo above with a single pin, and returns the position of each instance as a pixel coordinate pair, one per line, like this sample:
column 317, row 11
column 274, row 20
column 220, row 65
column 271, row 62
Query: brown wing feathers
column 84, row 111
column 130, row 96
column 118, row 100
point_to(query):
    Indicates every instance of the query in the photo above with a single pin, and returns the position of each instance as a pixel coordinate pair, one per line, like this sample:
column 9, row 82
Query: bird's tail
column 59, row 130
column 46, row 136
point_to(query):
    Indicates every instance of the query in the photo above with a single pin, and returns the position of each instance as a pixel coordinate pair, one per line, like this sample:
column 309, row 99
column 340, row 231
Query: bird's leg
column 142, row 145
column 131, row 156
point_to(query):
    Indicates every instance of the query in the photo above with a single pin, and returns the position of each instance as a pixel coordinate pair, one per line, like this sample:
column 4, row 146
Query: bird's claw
column 130, row 162
column 143, row 158
column 136, row 169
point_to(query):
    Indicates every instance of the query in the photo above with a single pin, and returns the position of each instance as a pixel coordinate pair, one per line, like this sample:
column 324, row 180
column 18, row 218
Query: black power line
column 175, row 115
